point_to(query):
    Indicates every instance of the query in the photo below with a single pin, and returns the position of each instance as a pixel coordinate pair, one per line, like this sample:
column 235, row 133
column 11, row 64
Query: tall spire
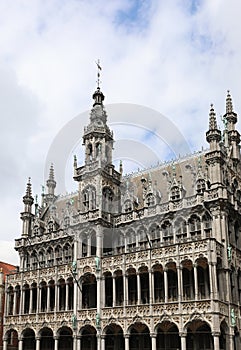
column 51, row 183
column 212, row 119
column 28, row 199
column 27, row 215
column 229, row 104
column 213, row 135
column 230, row 116
column 98, row 96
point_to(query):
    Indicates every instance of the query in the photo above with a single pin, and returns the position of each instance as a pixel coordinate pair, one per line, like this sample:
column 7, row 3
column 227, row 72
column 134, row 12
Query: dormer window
column 50, row 226
column 200, row 186
column 127, row 206
column 150, row 200
column 175, row 193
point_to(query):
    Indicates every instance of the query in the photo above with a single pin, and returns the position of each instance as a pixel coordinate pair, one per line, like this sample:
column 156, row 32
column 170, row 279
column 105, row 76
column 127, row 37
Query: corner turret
column 26, row 215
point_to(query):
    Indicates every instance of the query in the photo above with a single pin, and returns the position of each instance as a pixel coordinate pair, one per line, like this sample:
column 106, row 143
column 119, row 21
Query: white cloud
column 173, row 56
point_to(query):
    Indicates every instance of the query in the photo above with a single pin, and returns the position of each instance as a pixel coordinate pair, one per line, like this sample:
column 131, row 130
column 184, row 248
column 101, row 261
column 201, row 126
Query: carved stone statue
column 74, row 321
column 97, row 263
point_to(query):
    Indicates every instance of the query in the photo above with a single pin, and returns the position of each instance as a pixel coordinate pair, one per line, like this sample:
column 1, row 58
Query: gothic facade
column 146, row 261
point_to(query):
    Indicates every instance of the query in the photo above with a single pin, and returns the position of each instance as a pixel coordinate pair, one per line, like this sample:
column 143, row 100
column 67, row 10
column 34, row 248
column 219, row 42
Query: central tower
column 99, row 182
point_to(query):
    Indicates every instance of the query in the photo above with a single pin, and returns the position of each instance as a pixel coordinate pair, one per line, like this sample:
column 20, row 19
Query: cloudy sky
column 157, row 56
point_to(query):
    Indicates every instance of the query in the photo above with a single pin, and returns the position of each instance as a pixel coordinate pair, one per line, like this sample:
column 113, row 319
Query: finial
column 173, row 170
column 29, row 188
column 121, row 167
column 229, row 104
column 75, row 161
column 212, row 119
column 36, row 199
column 98, row 73
column 43, row 189
column 51, row 172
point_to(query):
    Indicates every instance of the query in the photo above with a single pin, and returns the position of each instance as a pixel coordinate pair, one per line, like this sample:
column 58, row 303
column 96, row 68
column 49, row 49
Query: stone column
column 103, row 292
column 180, row 284
column 195, row 281
column 127, row 336
column 56, row 342
column 37, row 343
column 183, row 341
column 125, row 289
column 114, row 290
column 98, row 341
column 39, row 289
column 56, row 305
column 20, row 344
column 166, row 284
column 153, row 341
column 206, row 277
column 216, row 336
column 5, row 343
column 102, row 342
column 66, row 296
column 89, row 246
column 23, row 301
column 210, row 267
column 151, row 287
column 78, row 342
column 231, row 343
column 31, row 300
column 215, row 284
column 75, row 342
column 138, row 288
column 15, row 302
column 48, row 298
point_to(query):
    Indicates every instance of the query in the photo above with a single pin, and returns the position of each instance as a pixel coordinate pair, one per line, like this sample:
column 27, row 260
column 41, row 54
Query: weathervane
column 98, row 73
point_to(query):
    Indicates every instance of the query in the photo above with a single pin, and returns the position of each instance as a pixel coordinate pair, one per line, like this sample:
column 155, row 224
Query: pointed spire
column 212, row 119
column 98, row 96
column 229, row 104
column 51, row 183
column 28, row 199
column 121, row 167
column 75, row 161
column 29, row 188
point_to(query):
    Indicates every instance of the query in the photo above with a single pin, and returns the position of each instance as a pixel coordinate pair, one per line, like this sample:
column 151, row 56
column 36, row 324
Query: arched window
column 50, row 257
column 58, row 255
column 155, row 235
column 107, row 199
column 34, row 260
column 89, row 198
column 207, row 225
column 181, row 229
column 41, row 258
column 131, row 241
column 67, row 253
column 167, row 232
column 195, row 226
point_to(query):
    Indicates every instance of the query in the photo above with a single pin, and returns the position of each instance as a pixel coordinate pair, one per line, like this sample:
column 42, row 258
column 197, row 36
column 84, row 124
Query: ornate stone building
column 139, row 262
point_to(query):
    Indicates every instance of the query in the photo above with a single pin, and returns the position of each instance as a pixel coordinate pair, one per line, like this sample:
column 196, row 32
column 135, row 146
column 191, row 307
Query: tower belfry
column 98, row 179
